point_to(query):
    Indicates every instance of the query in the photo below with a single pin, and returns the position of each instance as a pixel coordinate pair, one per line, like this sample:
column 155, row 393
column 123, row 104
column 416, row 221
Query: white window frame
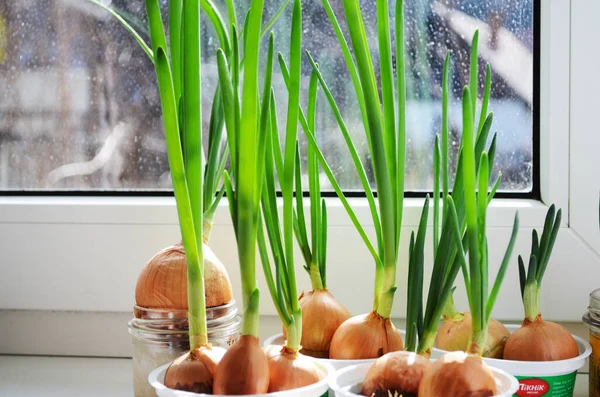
column 84, row 254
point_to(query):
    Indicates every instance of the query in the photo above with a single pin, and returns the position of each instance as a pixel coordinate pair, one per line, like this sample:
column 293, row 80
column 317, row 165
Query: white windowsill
column 33, row 376
column 162, row 211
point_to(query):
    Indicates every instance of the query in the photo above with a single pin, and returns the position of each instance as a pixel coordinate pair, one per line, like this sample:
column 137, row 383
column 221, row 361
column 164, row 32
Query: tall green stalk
column 196, row 180
column 244, row 191
column 480, row 138
column 179, row 77
column 315, row 251
column 283, row 287
column 385, row 131
column 187, row 181
column 476, row 202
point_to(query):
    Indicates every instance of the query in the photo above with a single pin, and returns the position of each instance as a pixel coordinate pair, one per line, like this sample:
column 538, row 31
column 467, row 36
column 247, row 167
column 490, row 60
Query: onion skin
column 243, row 369
column 162, row 284
column 365, row 336
column 540, row 340
column 289, row 370
column 194, row 371
column 397, row 372
column 322, row 315
column 454, row 336
column 458, row 374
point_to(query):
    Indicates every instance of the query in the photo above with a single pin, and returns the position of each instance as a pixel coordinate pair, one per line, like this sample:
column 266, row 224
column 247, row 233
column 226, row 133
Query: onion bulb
column 194, row 371
column 163, row 281
column 395, row 373
column 243, row 369
column 540, row 340
column 458, row 374
column 365, row 336
column 322, row 315
column 290, row 370
column 454, row 334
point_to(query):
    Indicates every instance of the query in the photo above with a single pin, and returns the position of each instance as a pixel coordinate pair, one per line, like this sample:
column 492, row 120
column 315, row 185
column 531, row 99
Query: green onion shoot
column 244, row 368
column 372, row 335
column 322, row 314
column 194, row 371
column 162, row 279
column 401, row 372
column 539, row 340
column 287, row 368
column 464, row 372
column 455, row 330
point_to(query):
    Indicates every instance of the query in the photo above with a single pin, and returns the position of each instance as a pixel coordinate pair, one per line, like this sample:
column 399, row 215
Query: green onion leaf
column 547, row 248
column 322, row 260
column 218, row 23
column 300, row 221
column 486, row 98
column 474, row 72
column 502, row 270
column 175, row 29
column 362, row 174
column 412, row 305
column 128, row 27
column 436, row 192
column 522, row 275
column 445, row 179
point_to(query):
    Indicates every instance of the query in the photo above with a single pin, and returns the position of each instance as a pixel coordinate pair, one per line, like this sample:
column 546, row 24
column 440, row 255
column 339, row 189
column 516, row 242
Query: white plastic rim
column 157, row 377
column 278, row 339
column 536, row 368
column 347, row 381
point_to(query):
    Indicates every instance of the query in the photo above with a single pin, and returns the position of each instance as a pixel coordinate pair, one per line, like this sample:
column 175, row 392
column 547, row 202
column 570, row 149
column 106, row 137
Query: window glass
column 79, row 107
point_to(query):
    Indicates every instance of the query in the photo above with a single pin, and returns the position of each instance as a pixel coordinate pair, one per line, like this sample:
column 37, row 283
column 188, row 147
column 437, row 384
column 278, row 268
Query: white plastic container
column 347, row 382
column 321, row 388
column 278, row 339
column 541, row 378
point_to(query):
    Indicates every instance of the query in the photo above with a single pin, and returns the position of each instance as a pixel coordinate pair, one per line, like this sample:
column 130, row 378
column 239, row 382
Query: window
column 80, row 110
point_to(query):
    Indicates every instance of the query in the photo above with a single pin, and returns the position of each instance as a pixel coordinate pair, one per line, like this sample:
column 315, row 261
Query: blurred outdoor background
column 79, row 107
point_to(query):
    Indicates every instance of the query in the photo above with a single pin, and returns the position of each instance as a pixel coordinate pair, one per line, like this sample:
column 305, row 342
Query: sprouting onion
column 400, row 373
column 372, row 335
column 194, row 371
column 163, row 278
column 321, row 313
column 461, row 373
column 539, row 340
column 287, row 369
column 456, row 326
column 244, row 368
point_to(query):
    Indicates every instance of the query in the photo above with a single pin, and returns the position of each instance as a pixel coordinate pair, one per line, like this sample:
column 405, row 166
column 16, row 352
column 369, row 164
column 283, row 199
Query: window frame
column 83, row 254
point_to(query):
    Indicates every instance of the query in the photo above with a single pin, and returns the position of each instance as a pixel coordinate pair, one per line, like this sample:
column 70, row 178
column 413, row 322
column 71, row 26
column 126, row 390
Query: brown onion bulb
column 321, row 317
column 395, row 373
column 194, row 371
column 243, row 369
column 162, row 284
column 458, row 374
column 540, row 340
column 365, row 336
column 454, row 336
column 290, row 370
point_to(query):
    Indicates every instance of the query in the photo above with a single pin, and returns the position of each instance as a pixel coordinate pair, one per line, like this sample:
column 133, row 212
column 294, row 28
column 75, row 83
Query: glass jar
column 160, row 336
column 592, row 319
